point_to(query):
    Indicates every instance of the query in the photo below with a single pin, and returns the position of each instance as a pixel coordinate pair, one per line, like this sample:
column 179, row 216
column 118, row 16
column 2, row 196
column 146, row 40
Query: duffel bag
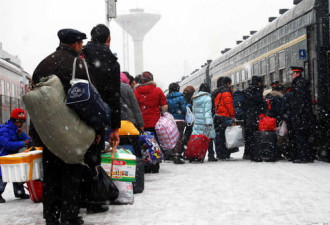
column 167, row 131
column 86, row 101
column 58, row 126
column 266, row 123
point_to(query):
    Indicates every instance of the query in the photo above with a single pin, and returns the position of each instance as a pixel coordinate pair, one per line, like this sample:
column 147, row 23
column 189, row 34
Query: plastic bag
column 283, row 129
column 234, row 137
column 190, row 117
column 103, row 189
column 125, row 193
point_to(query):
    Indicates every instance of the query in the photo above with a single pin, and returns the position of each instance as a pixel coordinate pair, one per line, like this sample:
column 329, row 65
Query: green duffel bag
column 58, row 126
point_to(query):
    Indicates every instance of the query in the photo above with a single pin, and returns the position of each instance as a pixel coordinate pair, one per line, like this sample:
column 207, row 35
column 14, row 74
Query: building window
column 282, row 76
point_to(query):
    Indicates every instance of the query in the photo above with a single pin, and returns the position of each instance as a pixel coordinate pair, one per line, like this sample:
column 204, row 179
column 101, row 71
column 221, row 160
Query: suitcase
column 138, row 185
column 35, row 190
column 197, row 147
column 265, row 146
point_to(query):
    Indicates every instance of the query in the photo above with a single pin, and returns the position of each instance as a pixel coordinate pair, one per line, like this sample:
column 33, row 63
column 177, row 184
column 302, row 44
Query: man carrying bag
column 61, row 180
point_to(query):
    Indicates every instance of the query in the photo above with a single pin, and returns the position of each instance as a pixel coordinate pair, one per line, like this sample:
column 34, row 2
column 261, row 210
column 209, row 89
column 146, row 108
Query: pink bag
column 167, row 131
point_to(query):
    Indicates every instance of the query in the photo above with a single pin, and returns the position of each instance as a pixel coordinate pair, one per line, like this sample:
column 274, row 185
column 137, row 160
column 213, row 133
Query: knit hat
column 123, row 78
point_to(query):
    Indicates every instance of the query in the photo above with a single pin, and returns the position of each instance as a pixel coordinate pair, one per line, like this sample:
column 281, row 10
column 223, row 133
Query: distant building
column 13, row 84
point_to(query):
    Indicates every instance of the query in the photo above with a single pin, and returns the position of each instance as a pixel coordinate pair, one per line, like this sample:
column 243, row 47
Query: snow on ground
column 236, row 192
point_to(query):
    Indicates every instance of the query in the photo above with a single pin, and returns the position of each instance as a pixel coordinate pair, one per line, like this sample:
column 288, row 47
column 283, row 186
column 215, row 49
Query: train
column 298, row 37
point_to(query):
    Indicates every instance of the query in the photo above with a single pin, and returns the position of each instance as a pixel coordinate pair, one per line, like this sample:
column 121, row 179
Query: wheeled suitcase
column 138, row 185
column 197, row 147
column 35, row 190
column 265, row 146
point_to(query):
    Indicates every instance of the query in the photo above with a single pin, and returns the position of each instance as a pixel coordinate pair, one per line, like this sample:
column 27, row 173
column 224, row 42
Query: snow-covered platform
column 236, row 192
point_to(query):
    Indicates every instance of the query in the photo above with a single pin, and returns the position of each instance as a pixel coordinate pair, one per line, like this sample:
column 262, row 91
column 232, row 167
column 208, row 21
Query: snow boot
column 97, row 209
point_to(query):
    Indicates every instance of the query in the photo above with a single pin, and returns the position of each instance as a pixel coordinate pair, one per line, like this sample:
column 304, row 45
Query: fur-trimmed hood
column 276, row 94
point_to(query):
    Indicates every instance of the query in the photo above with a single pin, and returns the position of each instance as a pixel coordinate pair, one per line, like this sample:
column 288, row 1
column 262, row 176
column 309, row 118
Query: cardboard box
column 123, row 167
column 22, row 167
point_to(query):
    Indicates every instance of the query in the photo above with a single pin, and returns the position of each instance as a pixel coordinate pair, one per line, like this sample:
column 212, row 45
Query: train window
column 281, row 60
column 256, row 69
column 272, row 64
column 263, row 67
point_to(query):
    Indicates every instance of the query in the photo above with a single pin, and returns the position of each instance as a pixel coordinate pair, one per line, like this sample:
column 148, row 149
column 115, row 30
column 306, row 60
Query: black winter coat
column 105, row 75
column 254, row 103
column 299, row 104
column 58, row 63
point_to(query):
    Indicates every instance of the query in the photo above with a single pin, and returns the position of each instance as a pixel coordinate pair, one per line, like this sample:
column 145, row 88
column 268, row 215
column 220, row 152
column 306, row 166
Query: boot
column 177, row 160
column 2, row 200
column 78, row 221
column 97, row 209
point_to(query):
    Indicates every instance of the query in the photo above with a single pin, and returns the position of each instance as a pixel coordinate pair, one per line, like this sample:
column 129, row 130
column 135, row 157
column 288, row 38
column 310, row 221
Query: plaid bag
column 167, row 131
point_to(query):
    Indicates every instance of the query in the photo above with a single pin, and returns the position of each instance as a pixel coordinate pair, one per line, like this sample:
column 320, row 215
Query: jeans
column 221, row 123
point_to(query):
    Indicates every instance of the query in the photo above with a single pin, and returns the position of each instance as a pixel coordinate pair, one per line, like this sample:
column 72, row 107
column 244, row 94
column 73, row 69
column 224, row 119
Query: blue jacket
column 177, row 105
column 202, row 109
column 10, row 140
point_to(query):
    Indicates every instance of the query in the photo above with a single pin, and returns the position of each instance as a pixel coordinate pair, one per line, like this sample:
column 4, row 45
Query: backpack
column 239, row 105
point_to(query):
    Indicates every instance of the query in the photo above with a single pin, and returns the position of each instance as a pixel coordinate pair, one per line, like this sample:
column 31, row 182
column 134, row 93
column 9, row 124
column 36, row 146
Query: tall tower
column 137, row 23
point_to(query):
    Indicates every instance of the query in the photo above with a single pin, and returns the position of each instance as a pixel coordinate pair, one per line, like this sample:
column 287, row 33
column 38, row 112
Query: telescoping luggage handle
column 74, row 70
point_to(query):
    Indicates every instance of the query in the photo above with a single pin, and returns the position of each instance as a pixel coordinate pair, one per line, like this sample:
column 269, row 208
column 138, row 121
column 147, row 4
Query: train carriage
column 299, row 37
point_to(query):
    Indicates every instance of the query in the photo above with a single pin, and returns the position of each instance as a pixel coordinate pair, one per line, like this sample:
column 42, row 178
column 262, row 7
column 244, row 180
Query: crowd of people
column 139, row 100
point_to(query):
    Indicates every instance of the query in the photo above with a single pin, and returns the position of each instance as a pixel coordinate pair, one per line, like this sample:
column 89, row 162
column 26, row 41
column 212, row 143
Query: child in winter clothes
column 12, row 138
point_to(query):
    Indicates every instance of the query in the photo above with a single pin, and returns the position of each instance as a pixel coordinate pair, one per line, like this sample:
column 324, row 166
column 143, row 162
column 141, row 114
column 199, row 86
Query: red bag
column 266, row 123
column 35, row 190
column 197, row 147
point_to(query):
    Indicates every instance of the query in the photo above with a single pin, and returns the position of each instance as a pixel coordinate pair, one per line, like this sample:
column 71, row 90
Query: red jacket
column 223, row 104
column 150, row 98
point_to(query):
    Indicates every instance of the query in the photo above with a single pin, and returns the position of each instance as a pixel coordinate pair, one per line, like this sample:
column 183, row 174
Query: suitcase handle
column 36, row 148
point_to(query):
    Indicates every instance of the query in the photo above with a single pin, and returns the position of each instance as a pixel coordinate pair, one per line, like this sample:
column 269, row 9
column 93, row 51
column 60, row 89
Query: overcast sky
column 188, row 33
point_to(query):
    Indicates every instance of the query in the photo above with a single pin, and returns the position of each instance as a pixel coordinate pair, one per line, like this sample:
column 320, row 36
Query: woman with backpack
column 177, row 107
column 223, row 109
column 202, row 109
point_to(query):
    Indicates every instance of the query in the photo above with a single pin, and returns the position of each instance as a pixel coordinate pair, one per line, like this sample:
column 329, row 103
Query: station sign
column 302, row 54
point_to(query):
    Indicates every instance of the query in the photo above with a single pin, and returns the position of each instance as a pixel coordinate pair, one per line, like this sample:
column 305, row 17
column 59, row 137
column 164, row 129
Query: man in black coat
column 301, row 117
column 255, row 105
column 61, row 189
column 105, row 75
